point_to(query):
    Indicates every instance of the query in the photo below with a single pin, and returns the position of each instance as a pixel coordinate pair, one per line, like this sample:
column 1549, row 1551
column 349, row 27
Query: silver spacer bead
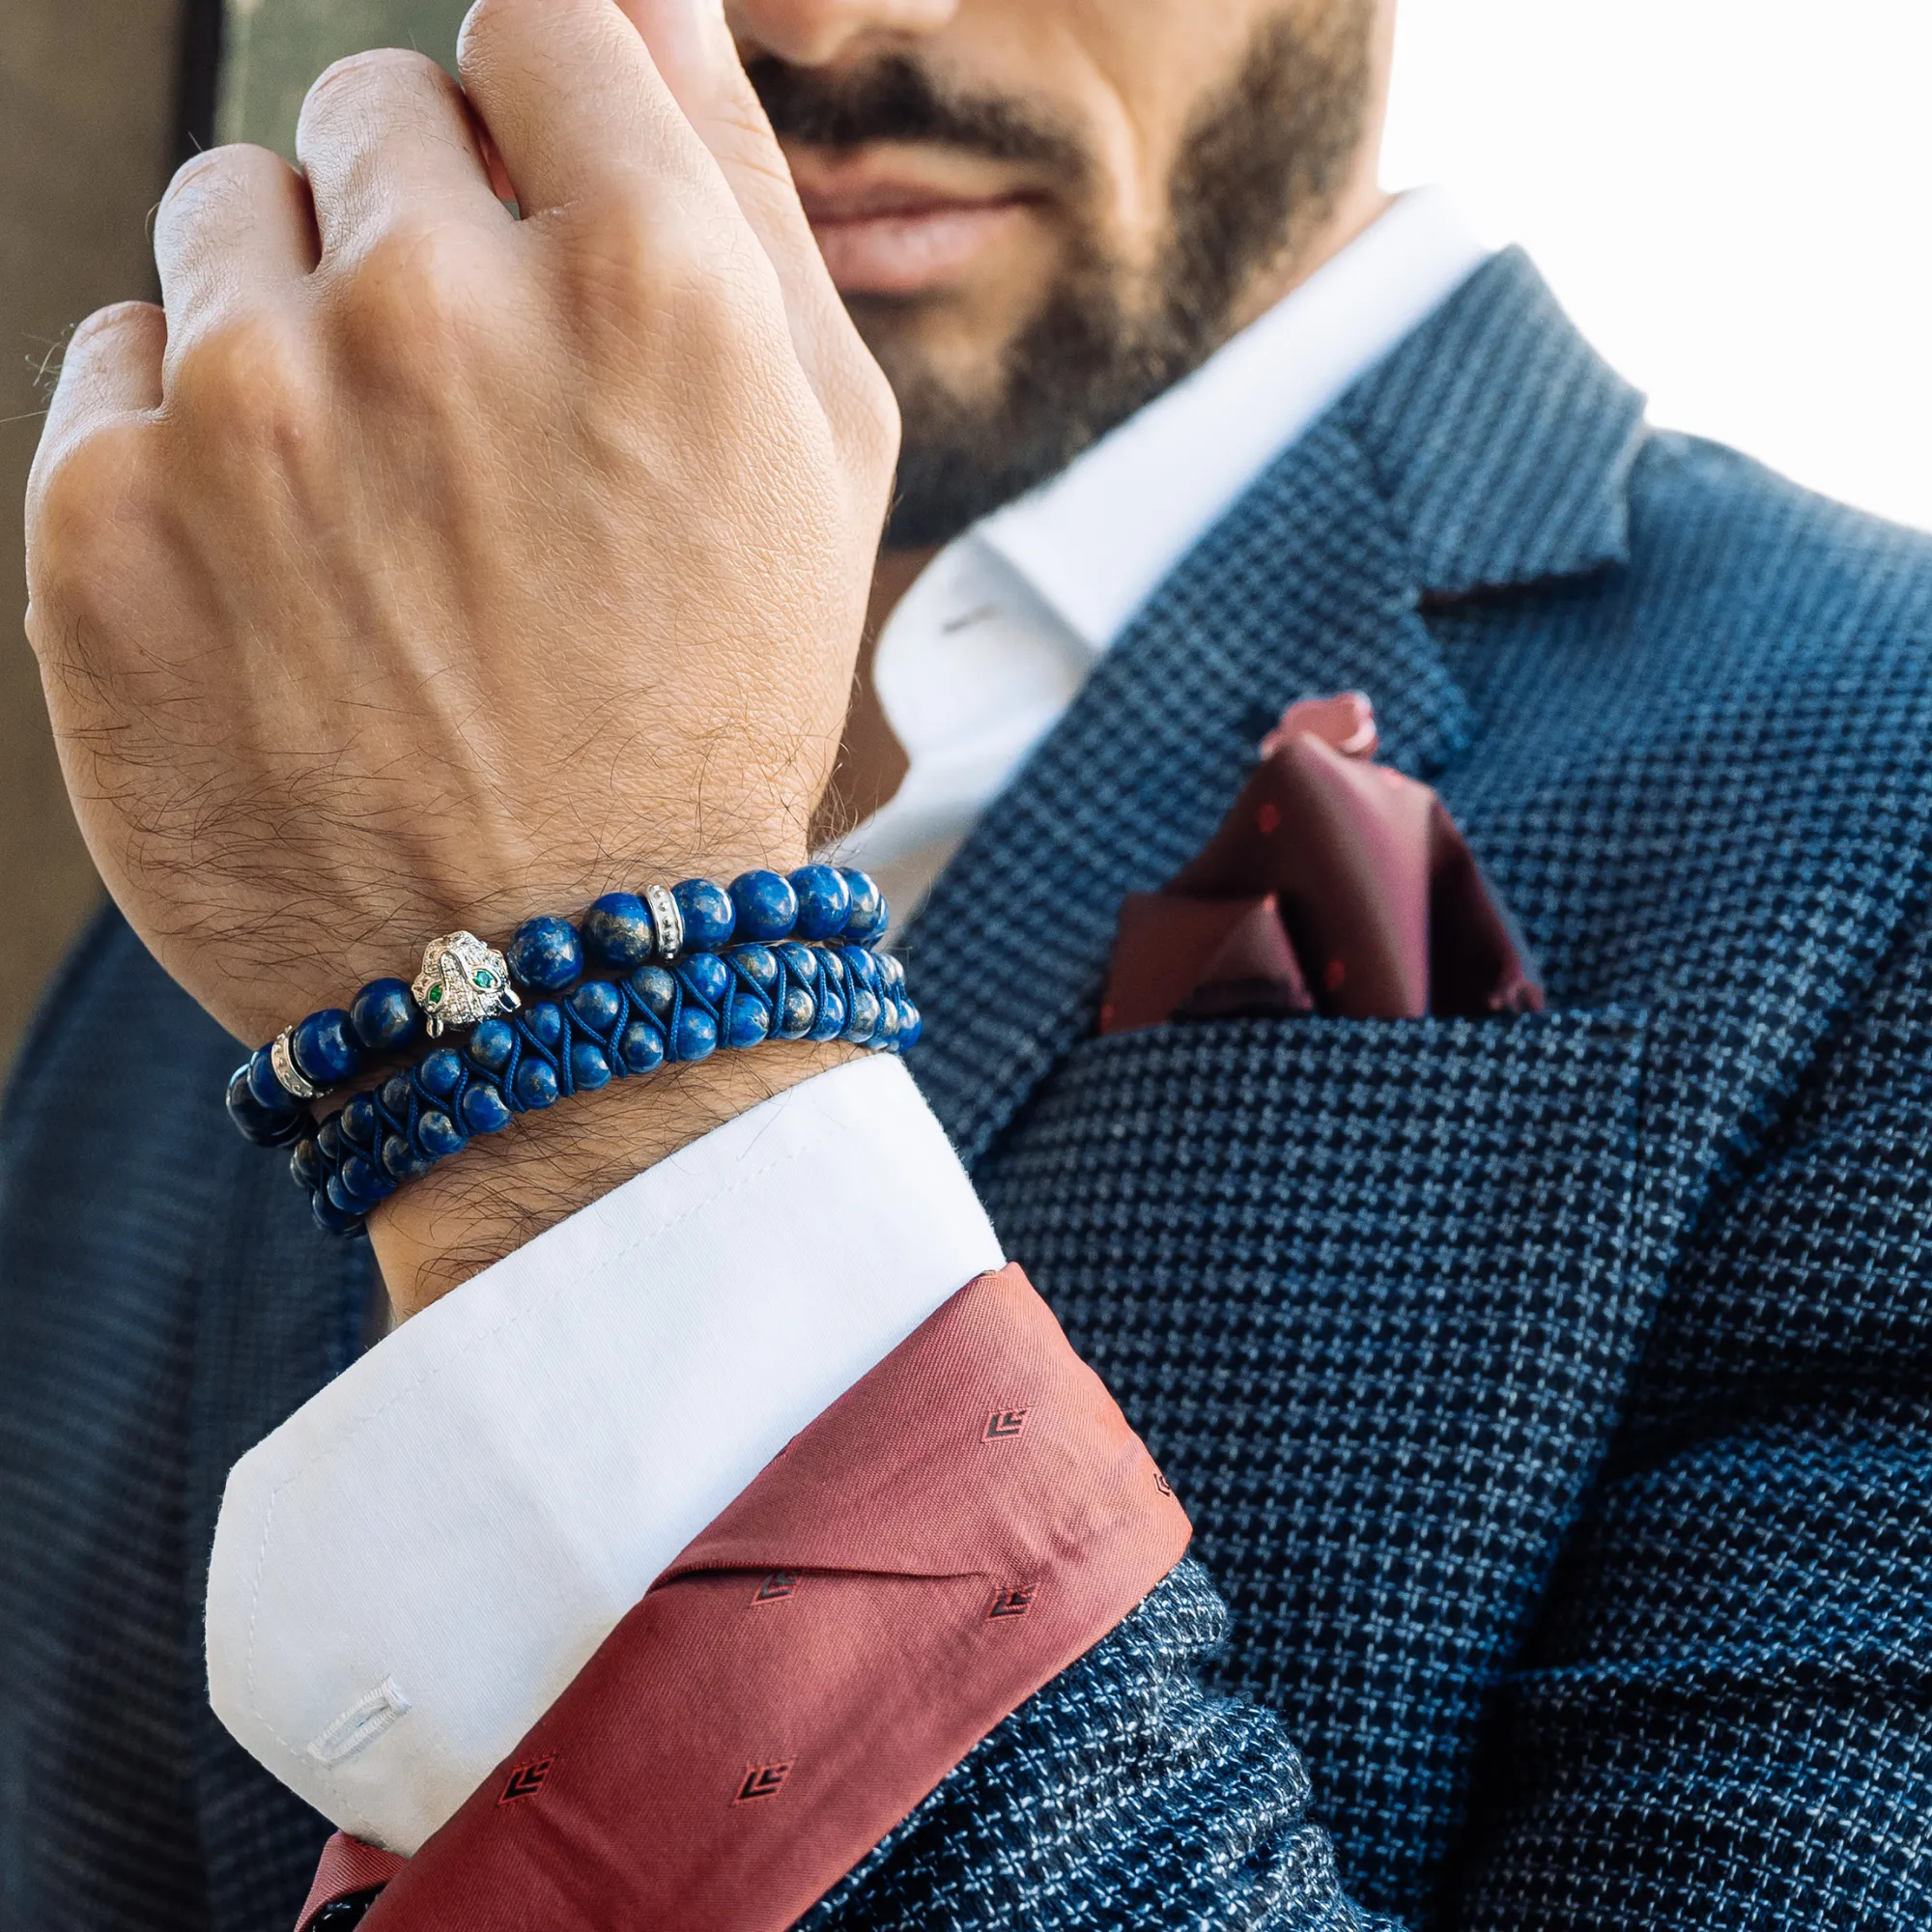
column 667, row 922
column 281, row 1057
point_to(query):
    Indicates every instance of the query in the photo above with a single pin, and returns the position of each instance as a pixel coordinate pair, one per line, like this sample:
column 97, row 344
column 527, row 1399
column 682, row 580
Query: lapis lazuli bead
column 911, row 1024
column 362, row 1184
column 618, row 930
column 765, row 906
column 395, row 1093
column 598, row 1005
column 359, row 1125
column 748, row 1024
column 868, row 917
column 329, row 1141
column 862, row 1017
column 543, row 1023
column 831, row 1020
column 863, row 966
column 709, row 915
column 246, row 1108
column 656, row 990
column 266, row 1126
column 493, row 1045
column 890, row 968
column 384, row 1016
column 641, row 1046
column 305, row 1165
column 697, row 1034
column 537, row 1084
column 400, row 1161
column 325, row 1049
column 707, row 976
column 800, row 961
column 330, row 1218
column 439, row 1135
column 824, row 901
column 590, row 1068
column 440, row 1073
column 546, row 955
column 259, row 1071
column 484, row 1109
column 758, row 964
column 795, row 1014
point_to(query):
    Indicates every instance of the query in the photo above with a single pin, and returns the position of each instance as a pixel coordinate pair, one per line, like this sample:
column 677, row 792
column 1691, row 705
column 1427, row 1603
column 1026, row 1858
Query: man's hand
column 419, row 567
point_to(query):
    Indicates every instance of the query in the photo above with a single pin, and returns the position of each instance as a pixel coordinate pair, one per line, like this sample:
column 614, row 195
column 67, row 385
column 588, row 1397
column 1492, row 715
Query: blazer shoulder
column 113, row 1125
column 1709, row 521
column 111, row 1011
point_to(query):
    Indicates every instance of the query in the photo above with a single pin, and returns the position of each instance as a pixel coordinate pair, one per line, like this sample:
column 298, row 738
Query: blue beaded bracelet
column 465, row 982
column 607, row 1029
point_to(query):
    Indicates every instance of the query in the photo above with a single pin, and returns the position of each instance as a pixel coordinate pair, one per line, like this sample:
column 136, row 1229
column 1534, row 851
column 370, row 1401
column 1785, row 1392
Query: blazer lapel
column 1431, row 478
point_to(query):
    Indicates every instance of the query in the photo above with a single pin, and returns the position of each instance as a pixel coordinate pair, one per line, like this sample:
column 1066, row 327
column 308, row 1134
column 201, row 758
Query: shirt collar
column 1095, row 541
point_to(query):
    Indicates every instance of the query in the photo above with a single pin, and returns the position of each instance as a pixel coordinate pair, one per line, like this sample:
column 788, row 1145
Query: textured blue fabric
column 1553, row 1396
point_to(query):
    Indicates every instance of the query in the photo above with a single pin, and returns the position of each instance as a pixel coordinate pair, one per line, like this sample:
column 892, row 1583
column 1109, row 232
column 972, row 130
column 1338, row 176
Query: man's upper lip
column 888, row 199
column 867, row 187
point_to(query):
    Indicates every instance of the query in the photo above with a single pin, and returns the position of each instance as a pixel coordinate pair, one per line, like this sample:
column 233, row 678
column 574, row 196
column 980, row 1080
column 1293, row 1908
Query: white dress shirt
column 411, row 1569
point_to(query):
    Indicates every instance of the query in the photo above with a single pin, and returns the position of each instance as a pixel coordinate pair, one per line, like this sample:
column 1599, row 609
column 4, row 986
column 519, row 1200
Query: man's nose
column 814, row 33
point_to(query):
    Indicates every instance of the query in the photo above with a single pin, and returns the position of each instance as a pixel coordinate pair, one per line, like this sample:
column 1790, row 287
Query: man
column 1547, row 1392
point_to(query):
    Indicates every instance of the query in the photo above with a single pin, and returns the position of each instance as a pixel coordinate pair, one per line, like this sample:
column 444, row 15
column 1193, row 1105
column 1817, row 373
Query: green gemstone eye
column 485, row 980
column 435, row 996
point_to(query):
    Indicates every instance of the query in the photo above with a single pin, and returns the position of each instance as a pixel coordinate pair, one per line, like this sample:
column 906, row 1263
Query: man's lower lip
column 905, row 253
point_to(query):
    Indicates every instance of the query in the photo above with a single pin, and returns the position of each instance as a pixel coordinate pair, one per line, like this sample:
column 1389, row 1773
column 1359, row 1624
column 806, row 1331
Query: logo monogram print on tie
column 527, row 1780
column 1013, row 1603
column 1004, row 1423
column 777, row 1587
column 762, row 1780
column 1161, row 1483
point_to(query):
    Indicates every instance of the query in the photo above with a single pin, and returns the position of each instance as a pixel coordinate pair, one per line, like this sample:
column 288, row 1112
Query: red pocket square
column 1334, row 885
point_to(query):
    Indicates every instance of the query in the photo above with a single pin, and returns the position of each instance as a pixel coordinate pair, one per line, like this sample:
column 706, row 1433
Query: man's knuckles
column 243, row 380
column 226, row 216
column 358, row 94
column 383, row 128
column 216, row 179
column 426, row 299
column 84, row 503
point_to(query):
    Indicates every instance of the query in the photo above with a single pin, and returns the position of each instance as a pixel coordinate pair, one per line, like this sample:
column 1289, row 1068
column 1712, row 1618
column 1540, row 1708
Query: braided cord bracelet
column 605, row 1030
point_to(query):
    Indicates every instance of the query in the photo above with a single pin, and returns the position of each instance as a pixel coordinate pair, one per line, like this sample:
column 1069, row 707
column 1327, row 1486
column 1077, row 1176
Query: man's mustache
column 895, row 99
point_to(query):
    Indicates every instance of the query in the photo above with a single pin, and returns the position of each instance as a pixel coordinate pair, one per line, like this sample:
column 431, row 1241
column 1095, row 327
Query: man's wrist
column 506, row 1189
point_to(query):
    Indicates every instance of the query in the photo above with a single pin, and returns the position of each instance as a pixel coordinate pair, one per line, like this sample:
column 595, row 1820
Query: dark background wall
column 96, row 101
column 88, row 112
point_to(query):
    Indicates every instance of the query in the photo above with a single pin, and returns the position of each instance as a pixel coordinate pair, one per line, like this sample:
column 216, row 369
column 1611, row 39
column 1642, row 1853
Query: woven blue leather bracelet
column 605, row 1030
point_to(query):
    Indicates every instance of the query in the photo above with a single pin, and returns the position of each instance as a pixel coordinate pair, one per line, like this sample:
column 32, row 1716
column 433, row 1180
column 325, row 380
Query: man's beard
column 1259, row 172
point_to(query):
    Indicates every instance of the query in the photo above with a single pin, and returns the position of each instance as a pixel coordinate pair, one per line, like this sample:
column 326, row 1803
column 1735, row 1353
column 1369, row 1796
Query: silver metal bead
column 281, row 1057
column 667, row 922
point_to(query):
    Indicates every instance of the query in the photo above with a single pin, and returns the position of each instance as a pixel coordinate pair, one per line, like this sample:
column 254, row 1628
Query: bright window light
column 1733, row 198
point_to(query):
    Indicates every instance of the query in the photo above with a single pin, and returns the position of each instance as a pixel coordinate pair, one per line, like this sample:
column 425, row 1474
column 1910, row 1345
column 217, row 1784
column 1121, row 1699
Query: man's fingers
column 387, row 137
column 646, row 104
column 234, row 227
column 110, row 385
column 694, row 52
column 573, row 103
column 112, row 369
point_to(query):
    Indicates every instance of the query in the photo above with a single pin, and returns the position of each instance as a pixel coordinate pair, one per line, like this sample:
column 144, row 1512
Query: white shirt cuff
column 409, row 1571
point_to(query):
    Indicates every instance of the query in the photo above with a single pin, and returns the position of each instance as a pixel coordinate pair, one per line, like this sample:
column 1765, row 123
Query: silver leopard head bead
column 462, row 982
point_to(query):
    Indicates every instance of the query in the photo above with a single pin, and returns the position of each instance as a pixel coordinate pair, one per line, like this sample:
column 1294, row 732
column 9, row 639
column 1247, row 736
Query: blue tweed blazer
column 1552, row 1395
